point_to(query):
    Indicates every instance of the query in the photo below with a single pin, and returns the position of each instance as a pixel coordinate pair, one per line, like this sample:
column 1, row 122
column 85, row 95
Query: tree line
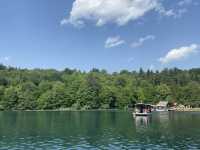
column 46, row 89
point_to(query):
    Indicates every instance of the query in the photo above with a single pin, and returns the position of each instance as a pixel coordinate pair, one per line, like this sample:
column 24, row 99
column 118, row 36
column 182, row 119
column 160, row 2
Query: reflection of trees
column 163, row 118
column 91, row 127
column 98, row 128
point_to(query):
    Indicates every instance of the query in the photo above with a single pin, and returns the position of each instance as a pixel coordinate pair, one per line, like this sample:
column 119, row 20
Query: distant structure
column 162, row 106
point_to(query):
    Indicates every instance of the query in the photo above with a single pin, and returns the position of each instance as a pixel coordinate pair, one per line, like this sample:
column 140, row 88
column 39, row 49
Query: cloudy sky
column 104, row 34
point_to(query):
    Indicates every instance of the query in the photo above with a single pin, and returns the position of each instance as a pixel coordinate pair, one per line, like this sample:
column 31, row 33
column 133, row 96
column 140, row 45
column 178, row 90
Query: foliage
column 23, row 89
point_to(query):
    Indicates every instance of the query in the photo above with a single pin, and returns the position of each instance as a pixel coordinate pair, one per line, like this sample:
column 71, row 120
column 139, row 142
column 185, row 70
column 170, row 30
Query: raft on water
column 142, row 109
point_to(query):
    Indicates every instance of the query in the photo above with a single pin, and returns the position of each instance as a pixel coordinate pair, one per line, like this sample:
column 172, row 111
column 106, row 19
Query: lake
column 99, row 130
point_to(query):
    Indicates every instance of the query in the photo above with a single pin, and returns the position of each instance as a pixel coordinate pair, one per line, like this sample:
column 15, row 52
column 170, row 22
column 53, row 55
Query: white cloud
column 180, row 12
column 179, row 53
column 165, row 12
column 119, row 12
column 5, row 59
column 141, row 41
column 113, row 42
column 109, row 11
column 175, row 13
column 63, row 22
column 184, row 2
column 131, row 59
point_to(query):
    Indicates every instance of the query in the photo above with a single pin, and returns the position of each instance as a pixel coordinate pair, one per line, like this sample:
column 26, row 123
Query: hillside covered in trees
column 23, row 89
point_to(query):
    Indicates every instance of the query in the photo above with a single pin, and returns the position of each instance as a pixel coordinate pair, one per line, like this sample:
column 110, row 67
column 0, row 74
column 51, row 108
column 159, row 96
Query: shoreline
column 67, row 110
column 188, row 110
column 90, row 110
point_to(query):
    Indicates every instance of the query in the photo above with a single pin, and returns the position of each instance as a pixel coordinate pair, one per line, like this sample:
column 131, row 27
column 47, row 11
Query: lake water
column 98, row 130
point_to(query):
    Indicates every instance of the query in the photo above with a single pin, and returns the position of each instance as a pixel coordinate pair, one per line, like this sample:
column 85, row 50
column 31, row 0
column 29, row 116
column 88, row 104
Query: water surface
column 98, row 130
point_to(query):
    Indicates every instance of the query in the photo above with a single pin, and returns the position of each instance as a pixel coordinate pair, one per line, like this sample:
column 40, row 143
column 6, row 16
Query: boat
column 162, row 106
column 161, row 109
column 142, row 109
column 171, row 109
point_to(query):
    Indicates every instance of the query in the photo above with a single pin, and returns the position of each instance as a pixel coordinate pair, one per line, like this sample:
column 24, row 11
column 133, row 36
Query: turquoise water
column 98, row 130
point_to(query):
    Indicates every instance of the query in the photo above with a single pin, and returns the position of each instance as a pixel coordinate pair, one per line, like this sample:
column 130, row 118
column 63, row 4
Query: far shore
column 48, row 110
column 188, row 109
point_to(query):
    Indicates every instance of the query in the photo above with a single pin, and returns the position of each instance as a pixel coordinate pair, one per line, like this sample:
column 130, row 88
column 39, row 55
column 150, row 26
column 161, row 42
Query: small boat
column 171, row 109
column 142, row 109
column 161, row 109
column 162, row 106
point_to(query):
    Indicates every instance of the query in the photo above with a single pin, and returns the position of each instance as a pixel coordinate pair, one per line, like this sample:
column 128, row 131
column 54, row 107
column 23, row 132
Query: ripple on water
column 82, row 143
column 106, row 130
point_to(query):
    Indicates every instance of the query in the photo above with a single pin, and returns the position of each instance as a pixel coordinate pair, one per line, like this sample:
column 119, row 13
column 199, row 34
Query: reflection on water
column 98, row 130
column 142, row 121
column 163, row 116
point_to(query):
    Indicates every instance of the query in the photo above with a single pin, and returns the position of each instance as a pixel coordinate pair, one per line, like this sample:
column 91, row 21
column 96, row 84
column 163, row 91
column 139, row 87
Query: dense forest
column 39, row 89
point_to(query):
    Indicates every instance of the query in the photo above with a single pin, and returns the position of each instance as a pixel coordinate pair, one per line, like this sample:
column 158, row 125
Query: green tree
column 27, row 96
column 10, row 99
column 163, row 91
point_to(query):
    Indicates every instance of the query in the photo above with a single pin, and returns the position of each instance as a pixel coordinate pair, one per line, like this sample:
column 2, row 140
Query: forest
column 49, row 89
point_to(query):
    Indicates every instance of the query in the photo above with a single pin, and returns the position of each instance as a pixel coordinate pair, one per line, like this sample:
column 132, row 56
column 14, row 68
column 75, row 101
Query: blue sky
column 86, row 34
